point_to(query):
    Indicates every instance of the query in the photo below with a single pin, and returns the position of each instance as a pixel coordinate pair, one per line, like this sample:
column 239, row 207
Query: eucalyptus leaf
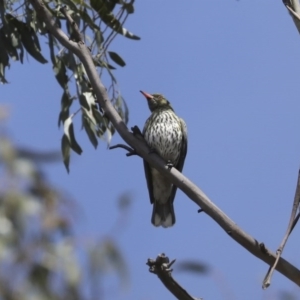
column 66, row 102
column 104, row 9
column 194, row 267
column 69, row 132
column 61, row 73
column 117, row 58
column 65, row 149
column 29, row 40
column 6, row 42
column 4, row 62
column 89, row 129
column 83, row 102
column 97, row 115
column 129, row 7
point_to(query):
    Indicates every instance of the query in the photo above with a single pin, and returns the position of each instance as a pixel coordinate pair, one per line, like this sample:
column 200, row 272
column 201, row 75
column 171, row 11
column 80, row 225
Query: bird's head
column 157, row 101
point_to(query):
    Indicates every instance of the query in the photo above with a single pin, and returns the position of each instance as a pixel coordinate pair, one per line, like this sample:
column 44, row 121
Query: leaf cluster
column 39, row 256
column 99, row 22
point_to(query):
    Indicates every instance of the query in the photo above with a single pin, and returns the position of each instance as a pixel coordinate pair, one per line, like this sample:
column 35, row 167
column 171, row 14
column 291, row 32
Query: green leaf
column 69, row 60
column 71, row 5
column 87, row 100
column 121, row 108
column 101, row 6
column 194, row 267
column 117, row 58
column 65, row 149
column 86, row 18
column 10, row 49
column 69, row 132
column 98, row 38
column 101, row 63
column 39, row 275
column 12, row 32
column 84, row 102
column 89, row 129
column 29, row 38
column 104, row 9
column 129, row 7
column 66, row 102
column 105, row 254
column 4, row 62
column 129, row 34
column 97, row 115
column 61, row 73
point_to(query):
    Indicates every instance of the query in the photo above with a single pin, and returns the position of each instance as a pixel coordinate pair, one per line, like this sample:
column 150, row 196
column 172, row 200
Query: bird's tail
column 163, row 214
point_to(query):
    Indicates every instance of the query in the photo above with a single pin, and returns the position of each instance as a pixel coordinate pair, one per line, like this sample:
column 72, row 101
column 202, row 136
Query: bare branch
column 292, row 223
column 161, row 267
column 188, row 187
column 293, row 7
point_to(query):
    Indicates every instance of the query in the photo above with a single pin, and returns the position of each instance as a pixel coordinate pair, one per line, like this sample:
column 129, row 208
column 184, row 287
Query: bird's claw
column 153, row 150
column 130, row 150
column 136, row 131
column 169, row 165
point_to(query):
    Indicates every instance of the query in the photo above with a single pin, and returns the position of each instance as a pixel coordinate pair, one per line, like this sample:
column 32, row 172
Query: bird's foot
column 130, row 150
column 136, row 131
column 169, row 165
column 153, row 150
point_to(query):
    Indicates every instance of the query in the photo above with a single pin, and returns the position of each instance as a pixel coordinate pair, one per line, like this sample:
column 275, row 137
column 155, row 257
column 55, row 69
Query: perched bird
column 166, row 134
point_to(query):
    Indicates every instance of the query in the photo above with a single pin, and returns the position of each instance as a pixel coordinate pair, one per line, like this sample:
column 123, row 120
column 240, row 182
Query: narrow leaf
column 194, row 267
column 69, row 132
column 88, row 126
column 29, row 40
column 4, row 62
column 65, row 149
column 11, row 50
column 83, row 102
column 98, row 117
column 66, row 102
column 117, row 58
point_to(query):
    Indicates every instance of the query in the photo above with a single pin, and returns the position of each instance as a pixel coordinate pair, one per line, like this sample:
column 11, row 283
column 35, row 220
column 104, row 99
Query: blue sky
column 231, row 70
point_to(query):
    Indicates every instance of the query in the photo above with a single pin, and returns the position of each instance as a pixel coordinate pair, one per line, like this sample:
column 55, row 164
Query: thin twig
column 130, row 150
column 76, row 35
column 182, row 182
column 292, row 223
column 161, row 268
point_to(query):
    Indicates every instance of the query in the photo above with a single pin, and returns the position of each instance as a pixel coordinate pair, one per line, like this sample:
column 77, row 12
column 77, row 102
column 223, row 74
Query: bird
column 165, row 134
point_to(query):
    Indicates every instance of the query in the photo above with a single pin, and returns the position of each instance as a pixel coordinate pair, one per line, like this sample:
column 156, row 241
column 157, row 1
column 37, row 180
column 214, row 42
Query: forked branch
column 161, row 267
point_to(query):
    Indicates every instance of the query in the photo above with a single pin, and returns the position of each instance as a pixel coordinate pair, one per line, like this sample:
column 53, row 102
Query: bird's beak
column 148, row 96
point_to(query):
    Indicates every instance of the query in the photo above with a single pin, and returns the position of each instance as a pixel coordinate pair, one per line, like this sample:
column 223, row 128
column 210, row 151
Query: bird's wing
column 183, row 151
column 148, row 169
column 149, row 180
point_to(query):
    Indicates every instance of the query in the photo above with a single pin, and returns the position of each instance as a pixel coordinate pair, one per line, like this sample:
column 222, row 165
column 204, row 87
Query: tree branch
column 188, row 187
column 292, row 223
column 293, row 7
column 161, row 267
